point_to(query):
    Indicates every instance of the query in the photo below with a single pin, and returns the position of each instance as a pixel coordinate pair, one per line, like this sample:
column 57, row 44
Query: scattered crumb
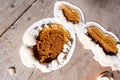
column 12, row 70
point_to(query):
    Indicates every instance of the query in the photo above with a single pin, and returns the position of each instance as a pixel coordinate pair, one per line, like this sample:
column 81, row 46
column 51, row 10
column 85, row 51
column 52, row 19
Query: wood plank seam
column 17, row 18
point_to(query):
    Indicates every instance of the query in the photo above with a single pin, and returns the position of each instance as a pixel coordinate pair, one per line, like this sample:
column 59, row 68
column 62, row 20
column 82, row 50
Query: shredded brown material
column 50, row 42
column 70, row 14
column 106, row 41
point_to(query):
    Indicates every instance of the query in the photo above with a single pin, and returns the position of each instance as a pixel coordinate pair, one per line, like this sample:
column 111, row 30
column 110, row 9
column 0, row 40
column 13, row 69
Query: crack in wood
column 17, row 18
column 31, row 74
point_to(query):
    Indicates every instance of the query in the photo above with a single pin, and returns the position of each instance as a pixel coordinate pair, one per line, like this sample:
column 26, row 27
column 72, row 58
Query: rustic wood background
column 17, row 15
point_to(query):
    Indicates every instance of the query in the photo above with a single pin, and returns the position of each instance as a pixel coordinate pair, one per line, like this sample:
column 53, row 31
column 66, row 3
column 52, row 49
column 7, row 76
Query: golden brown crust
column 50, row 42
column 70, row 14
column 106, row 41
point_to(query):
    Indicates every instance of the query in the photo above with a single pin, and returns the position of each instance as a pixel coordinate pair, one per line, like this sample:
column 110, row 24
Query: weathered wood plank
column 11, row 41
column 81, row 66
column 10, row 11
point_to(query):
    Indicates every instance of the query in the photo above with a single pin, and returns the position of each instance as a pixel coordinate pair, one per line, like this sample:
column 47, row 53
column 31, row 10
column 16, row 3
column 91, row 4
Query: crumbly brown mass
column 70, row 14
column 106, row 41
column 50, row 42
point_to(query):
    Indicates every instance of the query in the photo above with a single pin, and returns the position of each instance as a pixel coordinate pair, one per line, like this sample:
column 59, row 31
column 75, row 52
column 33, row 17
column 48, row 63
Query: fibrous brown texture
column 50, row 42
column 70, row 14
column 106, row 41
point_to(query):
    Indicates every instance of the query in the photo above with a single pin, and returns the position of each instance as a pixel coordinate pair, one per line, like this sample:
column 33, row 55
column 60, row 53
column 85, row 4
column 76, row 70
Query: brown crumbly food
column 50, row 42
column 70, row 14
column 106, row 41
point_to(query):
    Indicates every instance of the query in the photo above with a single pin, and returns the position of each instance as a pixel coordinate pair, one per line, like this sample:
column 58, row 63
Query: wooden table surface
column 17, row 15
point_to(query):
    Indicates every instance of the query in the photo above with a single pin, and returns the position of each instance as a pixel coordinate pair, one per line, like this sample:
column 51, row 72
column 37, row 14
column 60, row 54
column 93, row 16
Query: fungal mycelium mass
column 48, row 45
column 50, row 42
column 69, row 14
column 103, row 44
column 106, row 41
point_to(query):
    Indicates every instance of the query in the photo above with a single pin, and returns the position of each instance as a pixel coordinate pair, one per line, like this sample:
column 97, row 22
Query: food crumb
column 12, row 70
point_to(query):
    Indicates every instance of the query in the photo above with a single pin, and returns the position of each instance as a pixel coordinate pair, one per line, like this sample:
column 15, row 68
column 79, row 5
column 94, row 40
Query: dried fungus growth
column 71, row 15
column 106, row 41
column 50, row 42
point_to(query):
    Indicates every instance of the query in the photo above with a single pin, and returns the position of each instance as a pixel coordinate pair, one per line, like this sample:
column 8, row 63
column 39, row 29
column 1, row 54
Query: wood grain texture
column 82, row 66
column 10, row 11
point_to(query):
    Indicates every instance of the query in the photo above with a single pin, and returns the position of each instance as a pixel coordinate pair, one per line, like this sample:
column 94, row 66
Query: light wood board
column 11, row 10
column 82, row 66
